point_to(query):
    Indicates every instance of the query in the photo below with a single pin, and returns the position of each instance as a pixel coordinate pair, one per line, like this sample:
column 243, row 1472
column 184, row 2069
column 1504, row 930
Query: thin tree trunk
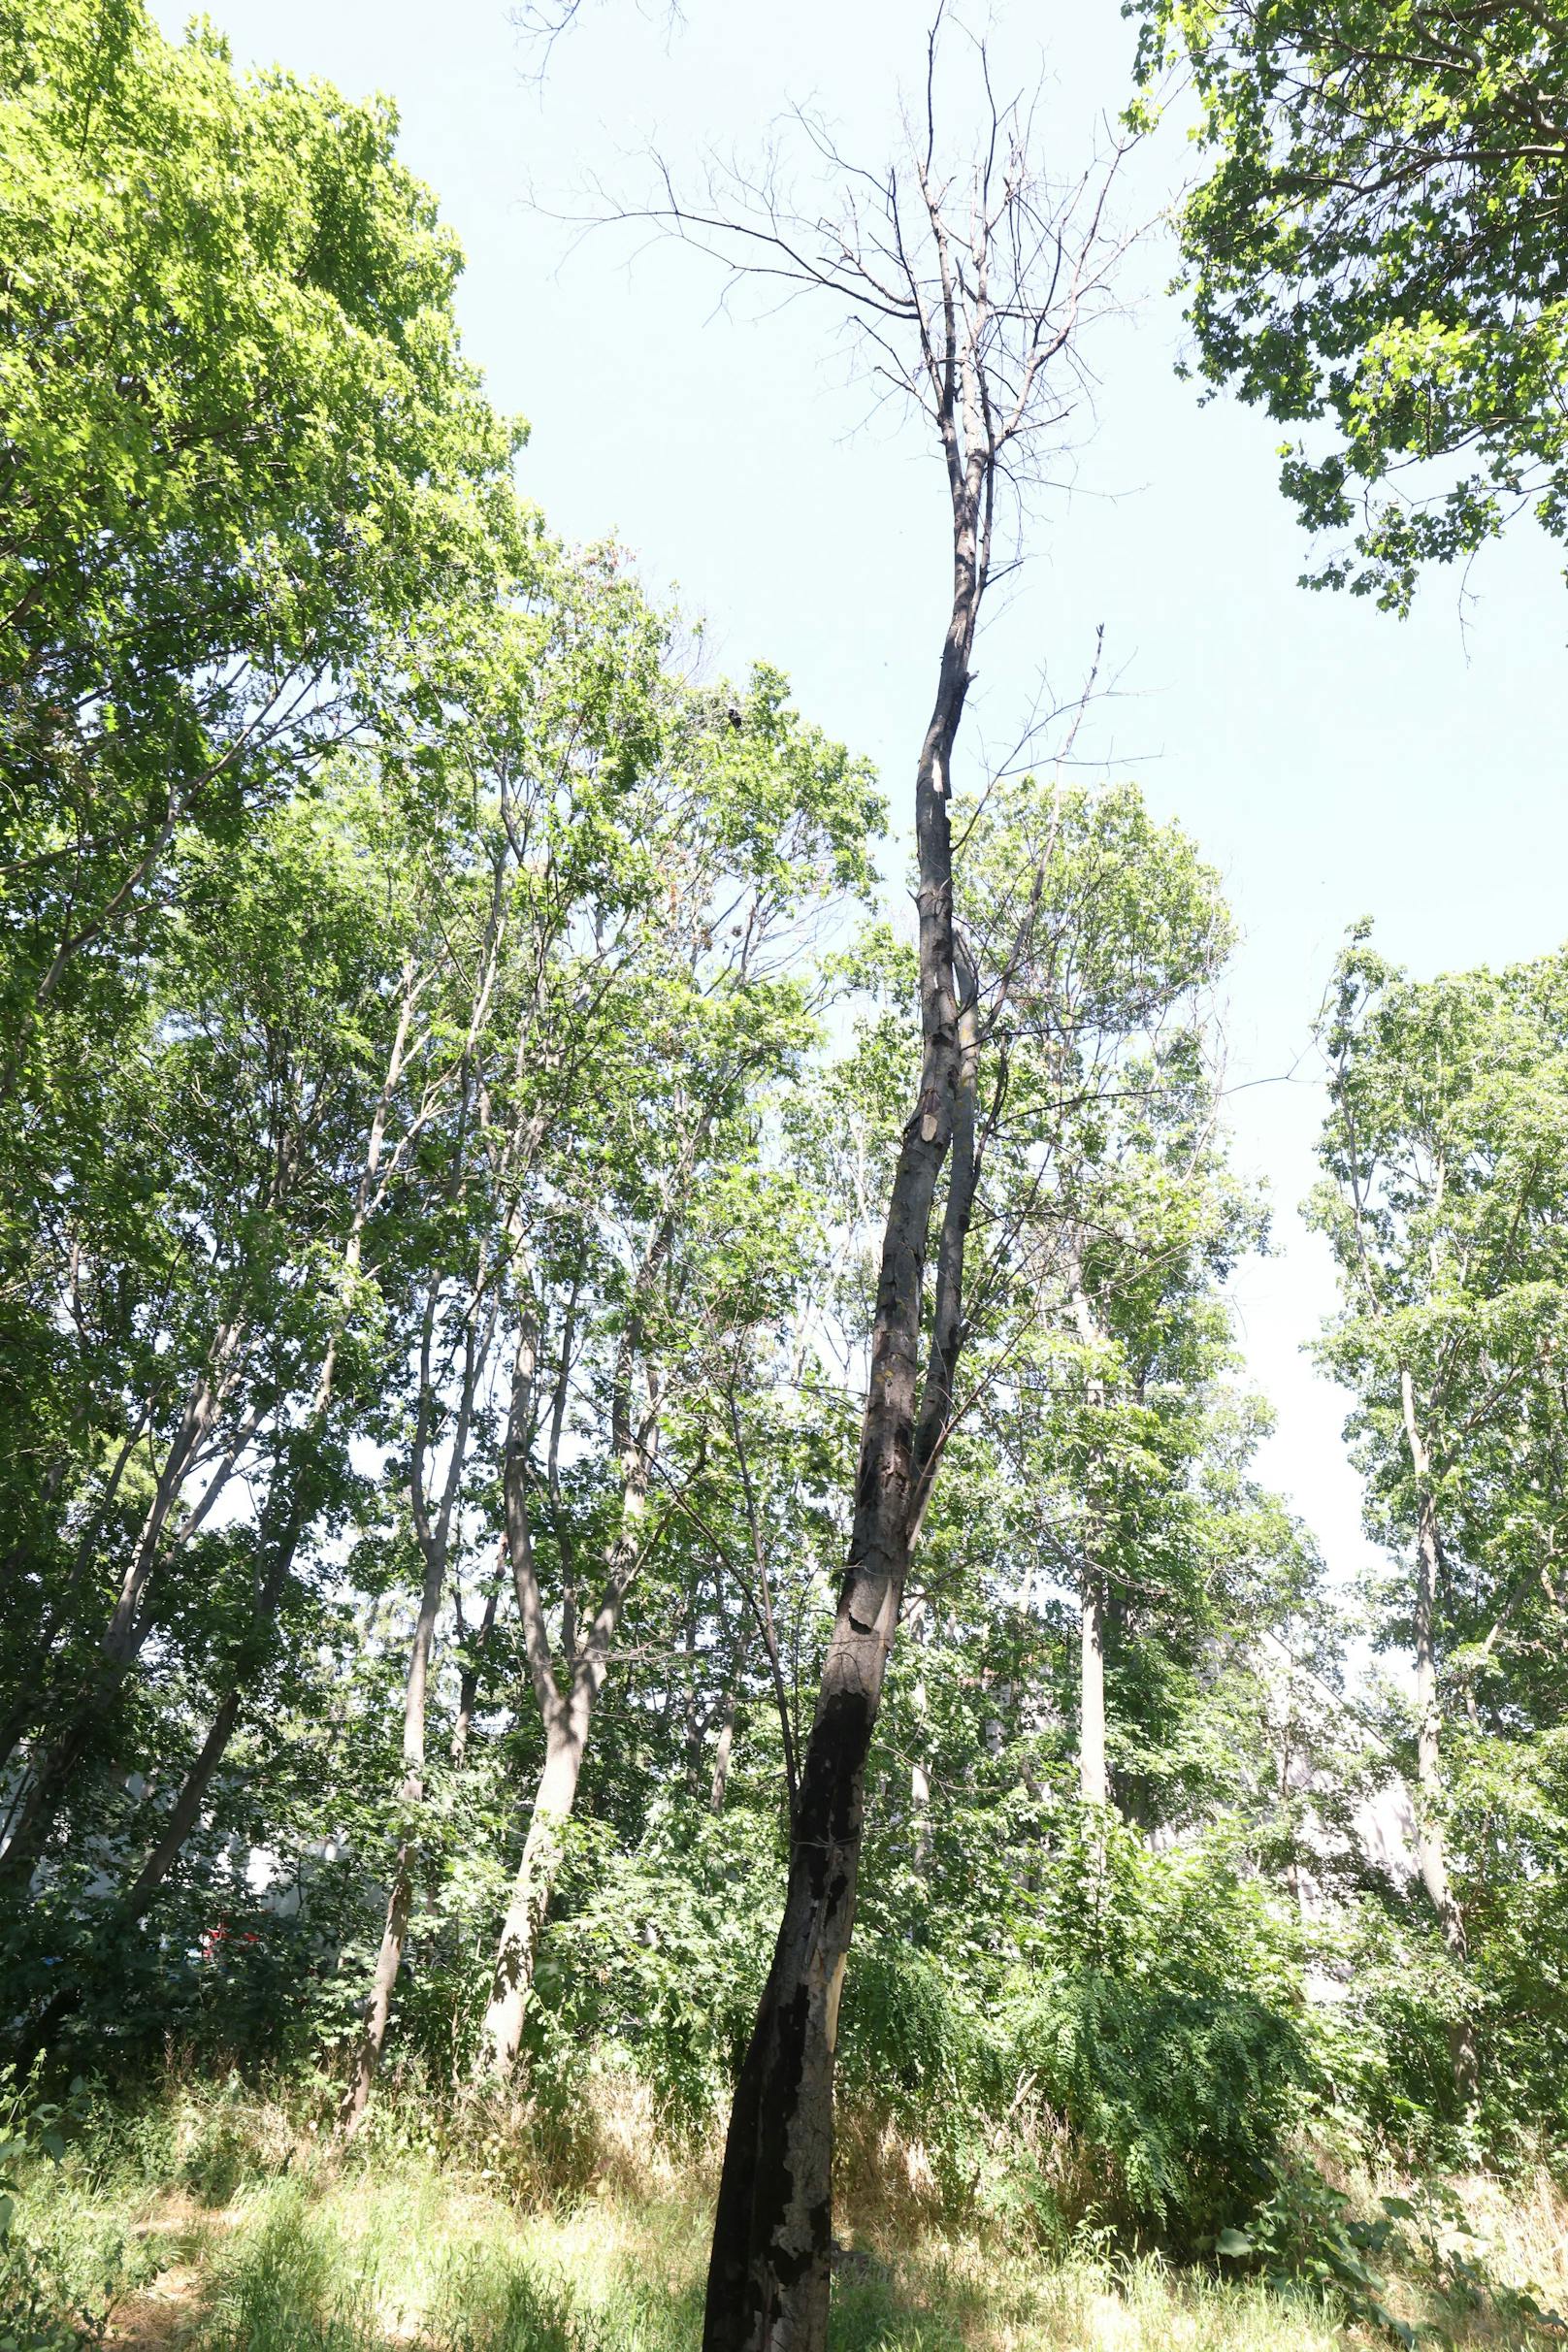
column 718, row 1785
column 513, row 1985
column 129, row 1624
column 1093, row 1782
column 1430, row 1852
column 388, row 1966
column 919, row 1809
column 568, row 1717
column 129, row 1905
column 434, row 1538
column 394, row 1933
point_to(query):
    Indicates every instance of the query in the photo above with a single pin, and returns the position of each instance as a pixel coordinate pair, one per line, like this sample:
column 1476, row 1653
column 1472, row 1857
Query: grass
column 243, row 2236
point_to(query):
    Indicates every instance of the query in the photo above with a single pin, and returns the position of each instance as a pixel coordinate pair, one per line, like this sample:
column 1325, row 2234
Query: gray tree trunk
column 567, row 1716
column 1093, row 1780
column 1432, row 1853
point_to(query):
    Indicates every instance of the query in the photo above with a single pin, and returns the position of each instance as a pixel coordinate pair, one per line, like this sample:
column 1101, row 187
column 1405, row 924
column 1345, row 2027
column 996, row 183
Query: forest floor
column 260, row 2243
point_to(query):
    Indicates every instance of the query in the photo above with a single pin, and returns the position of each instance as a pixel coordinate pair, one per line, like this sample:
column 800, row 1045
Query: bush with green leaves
column 1160, row 2022
column 658, row 1952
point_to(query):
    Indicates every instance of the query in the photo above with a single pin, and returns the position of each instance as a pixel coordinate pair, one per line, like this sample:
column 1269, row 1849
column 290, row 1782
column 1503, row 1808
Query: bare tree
column 540, row 23
column 969, row 286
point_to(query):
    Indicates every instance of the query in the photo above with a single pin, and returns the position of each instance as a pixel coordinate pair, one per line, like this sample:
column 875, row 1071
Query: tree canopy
column 1374, row 251
column 635, row 1549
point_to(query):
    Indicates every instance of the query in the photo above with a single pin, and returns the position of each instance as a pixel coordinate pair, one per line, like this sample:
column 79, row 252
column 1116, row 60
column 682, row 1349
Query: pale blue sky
column 1330, row 760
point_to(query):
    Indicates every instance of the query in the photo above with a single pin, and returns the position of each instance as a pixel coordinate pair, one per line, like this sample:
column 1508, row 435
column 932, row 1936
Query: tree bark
column 434, row 1538
column 512, row 1983
column 394, row 1933
column 1093, row 1782
column 769, row 2271
column 567, row 1716
column 1430, row 1849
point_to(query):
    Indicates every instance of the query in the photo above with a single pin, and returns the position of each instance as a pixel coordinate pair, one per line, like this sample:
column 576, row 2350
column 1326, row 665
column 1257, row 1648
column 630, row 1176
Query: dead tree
column 968, row 287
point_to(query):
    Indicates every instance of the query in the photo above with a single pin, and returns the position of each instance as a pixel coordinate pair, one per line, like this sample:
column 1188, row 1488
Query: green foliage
column 1303, row 2234
column 444, row 1119
column 1377, row 244
column 1445, row 1208
column 660, row 1955
column 1162, row 2024
column 57, row 2288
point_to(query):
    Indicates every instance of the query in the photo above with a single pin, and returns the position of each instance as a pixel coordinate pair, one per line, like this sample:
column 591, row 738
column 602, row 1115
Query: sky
column 1330, row 760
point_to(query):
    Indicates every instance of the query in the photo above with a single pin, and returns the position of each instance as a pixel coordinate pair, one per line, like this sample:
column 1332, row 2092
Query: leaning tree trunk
column 1430, row 1850
column 129, row 1905
column 567, row 1714
column 769, row 2277
column 129, row 1625
column 513, row 1985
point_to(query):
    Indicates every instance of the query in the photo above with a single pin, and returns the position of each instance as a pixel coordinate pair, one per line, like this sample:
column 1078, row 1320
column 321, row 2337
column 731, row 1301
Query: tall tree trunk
column 1430, row 1852
column 568, row 1717
column 394, row 1933
column 768, row 2275
column 434, row 1541
column 513, row 1985
column 1093, row 1782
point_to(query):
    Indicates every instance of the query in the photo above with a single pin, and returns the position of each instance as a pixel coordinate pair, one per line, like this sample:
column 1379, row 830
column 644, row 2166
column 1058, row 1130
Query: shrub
column 1159, row 2019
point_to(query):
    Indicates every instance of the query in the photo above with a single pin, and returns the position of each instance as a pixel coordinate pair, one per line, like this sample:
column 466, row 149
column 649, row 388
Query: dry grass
column 268, row 2243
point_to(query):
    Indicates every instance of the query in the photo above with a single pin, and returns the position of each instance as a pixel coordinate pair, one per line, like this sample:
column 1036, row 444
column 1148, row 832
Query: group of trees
column 493, row 1215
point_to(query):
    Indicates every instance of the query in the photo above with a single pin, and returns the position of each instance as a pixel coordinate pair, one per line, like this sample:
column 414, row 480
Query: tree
column 1377, row 246
column 244, row 455
column 1445, row 1209
column 198, row 1336
column 536, row 728
column 1104, row 1181
column 970, row 284
column 247, row 479
column 687, row 1241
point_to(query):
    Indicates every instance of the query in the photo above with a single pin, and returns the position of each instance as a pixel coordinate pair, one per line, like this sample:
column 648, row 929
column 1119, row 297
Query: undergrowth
column 220, row 2222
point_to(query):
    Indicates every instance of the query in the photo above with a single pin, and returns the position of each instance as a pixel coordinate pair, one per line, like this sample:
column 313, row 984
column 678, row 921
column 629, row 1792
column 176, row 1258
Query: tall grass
column 446, row 2236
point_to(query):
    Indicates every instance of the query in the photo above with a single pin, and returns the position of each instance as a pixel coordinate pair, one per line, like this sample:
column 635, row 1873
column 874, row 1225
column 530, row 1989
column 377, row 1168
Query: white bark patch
column 836, row 1986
